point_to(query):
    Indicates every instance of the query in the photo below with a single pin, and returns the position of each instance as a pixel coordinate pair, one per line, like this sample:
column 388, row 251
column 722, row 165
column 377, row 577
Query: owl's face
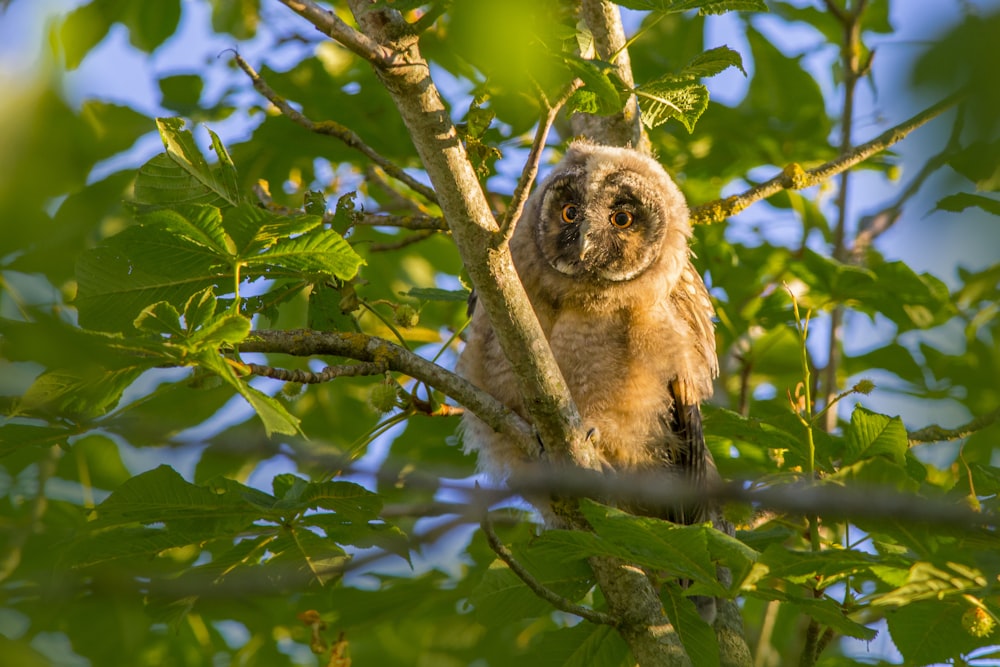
column 605, row 214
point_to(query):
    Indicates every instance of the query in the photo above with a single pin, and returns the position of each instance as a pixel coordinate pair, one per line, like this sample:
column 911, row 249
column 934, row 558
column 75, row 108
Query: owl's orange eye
column 569, row 212
column 621, row 219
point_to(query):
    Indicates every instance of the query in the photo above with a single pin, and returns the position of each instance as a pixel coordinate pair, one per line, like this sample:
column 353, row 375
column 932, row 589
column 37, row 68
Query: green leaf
column 927, row 581
column 350, row 501
column 199, row 224
column 501, row 596
column 84, row 398
column 298, row 553
column 822, row 568
column 160, row 318
column 712, row 62
column 181, row 92
column 931, row 632
column 184, row 152
column 17, row 436
column 963, row 200
column 149, row 25
column 584, row 645
column 162, row 182
column 979, row 163
column 199, row 309
column 872, row 434
column 599, row 79
column 666, row 98
column 272, row 413
column 322, row 251
column 140, row 266
column 95, row 460
column 162, row 496
column 681, row 551
column 220, row 330
column 252, row 229
column 825, row 610
column 82, row 30
column 696, row 635
column 703, row 6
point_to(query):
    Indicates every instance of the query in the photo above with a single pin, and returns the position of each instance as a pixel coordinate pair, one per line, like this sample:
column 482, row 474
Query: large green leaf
column 872, row 434
column 141, row 266
column 584, row 645
column 696, row 635
column 323, row 251
column 931, row 632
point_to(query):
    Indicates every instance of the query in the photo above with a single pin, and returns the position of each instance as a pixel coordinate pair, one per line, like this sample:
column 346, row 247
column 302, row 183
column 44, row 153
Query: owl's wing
column 691, row 456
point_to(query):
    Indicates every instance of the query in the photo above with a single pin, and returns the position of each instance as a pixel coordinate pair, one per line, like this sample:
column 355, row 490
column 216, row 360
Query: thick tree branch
column 369, row 349
column 333, row 129
column 935, row 433
column 603, row 19
column 538, row 588
column 326, row 375
column 793, row 177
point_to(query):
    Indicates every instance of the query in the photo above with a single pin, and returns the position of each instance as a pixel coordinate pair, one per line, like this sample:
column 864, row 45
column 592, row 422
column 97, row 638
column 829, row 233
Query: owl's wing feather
column 691, row 457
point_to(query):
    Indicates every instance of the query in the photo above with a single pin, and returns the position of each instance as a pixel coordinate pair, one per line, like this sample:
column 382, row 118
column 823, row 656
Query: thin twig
column 850, row 50
column 873, row 226
column 538, row 588
column 403, row 242
column 333, row 129
column 793, row 177
column 326, row 375
column 530, row 170
column 414, row 222
column 935, row 433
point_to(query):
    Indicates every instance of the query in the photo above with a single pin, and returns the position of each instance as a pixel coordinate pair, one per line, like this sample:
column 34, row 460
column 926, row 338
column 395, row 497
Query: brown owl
column 602, row 251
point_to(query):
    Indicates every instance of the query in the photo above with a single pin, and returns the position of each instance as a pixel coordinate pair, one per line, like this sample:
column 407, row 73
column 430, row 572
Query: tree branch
column 305, row 343
column 326, row 375
column 935, row 433
column 603, row 19
column 793, row 177
column 538, row 588
column 530, row 170
column 328, row 23
column 333, row 129
column 414, row 222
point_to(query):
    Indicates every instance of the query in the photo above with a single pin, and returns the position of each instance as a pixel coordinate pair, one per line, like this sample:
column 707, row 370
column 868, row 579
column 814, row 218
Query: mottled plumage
column 602, row 250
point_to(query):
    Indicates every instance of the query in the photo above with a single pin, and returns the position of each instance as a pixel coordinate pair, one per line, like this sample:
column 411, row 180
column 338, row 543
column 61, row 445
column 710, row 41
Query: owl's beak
column 585, row 243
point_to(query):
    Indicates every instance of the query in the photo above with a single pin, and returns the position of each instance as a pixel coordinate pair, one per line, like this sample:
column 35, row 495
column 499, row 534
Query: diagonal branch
column 530, row 170
column 537, row 587
column 331, row 25
column 364, row 348
column 793, row 177
column 333, row 129
column 935, row 433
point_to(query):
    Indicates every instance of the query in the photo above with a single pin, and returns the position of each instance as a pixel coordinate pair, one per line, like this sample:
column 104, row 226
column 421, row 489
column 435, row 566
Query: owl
column 602, row 251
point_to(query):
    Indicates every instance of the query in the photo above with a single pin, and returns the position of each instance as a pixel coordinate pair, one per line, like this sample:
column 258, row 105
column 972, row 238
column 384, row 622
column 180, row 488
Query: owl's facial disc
column 609, row 236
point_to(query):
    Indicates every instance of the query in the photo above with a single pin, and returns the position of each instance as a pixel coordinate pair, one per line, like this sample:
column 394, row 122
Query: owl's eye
column 569, row 212
column 621, row 219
